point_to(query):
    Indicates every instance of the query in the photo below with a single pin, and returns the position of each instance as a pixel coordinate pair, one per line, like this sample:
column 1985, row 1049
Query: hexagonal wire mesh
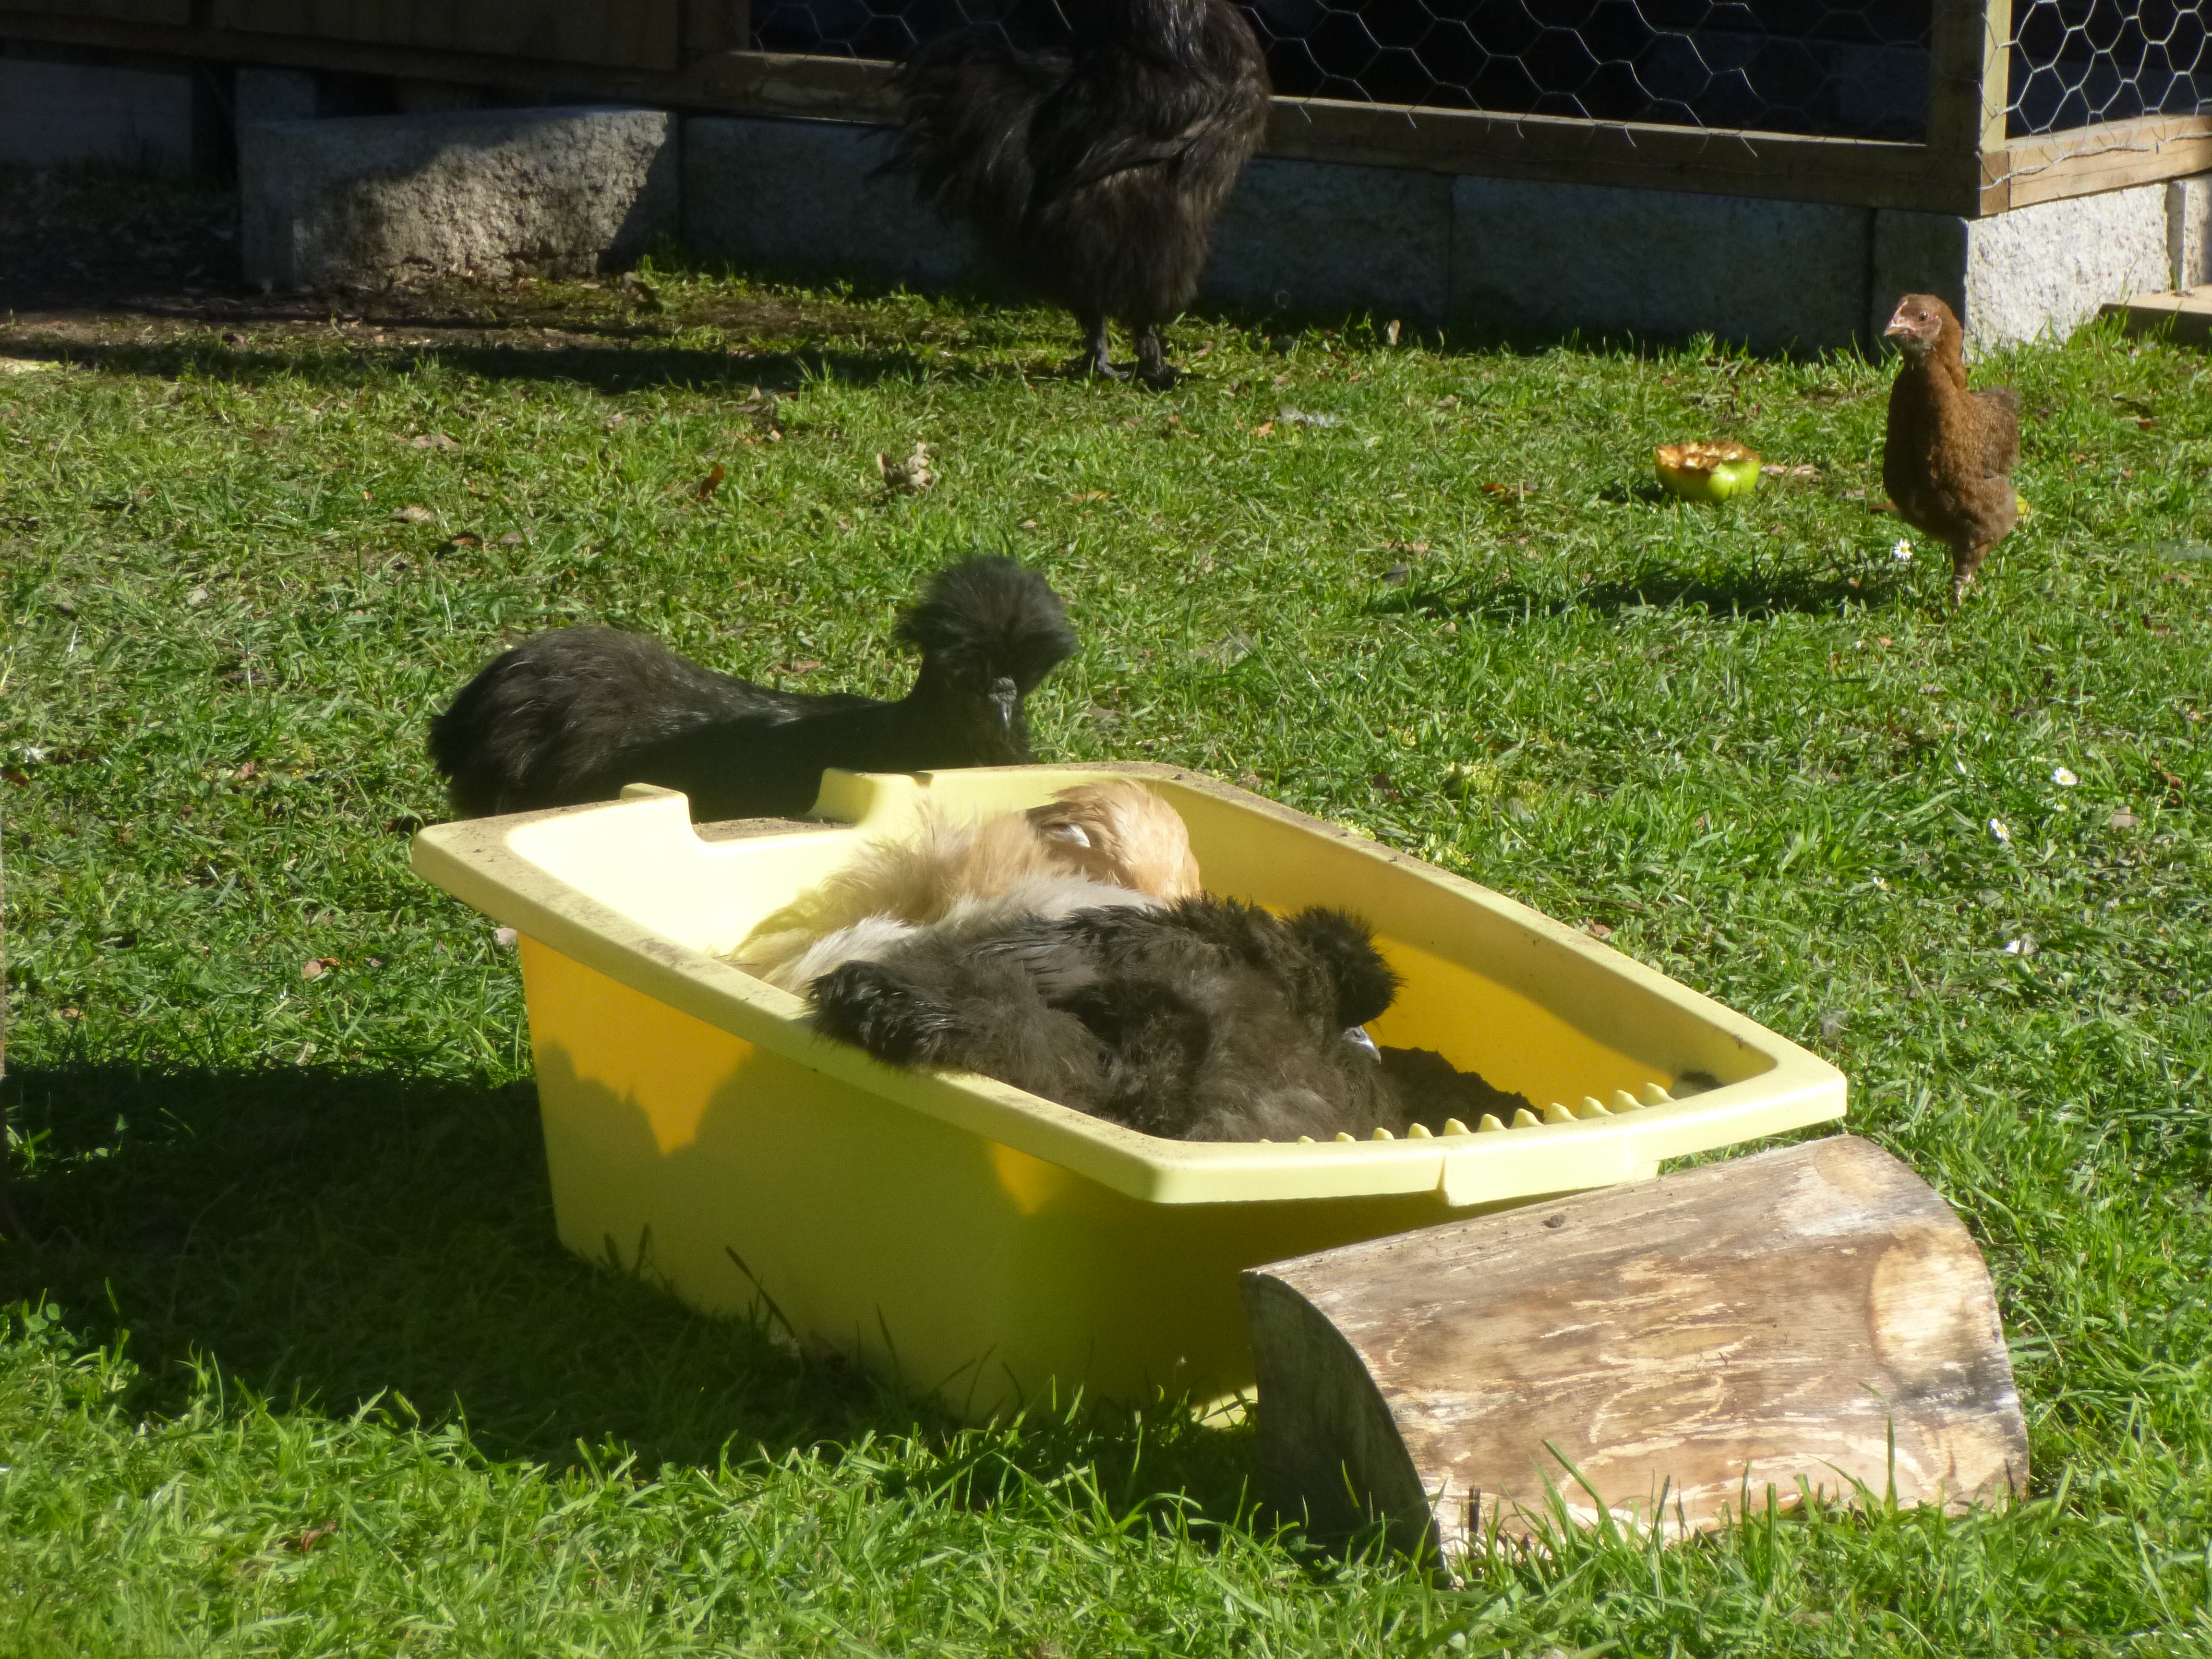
column 2078, row 64
column 1842, row 68
column 1834, row 68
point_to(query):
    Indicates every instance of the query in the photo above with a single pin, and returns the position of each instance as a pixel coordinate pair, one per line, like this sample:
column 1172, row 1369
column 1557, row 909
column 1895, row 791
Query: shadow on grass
column 612, row 368
column 340, row 1238
column 1745, row 596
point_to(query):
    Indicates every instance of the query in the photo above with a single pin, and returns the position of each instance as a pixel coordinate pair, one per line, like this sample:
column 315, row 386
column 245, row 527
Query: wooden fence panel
column 617, row 33
column 174, row 13
column 716, row 25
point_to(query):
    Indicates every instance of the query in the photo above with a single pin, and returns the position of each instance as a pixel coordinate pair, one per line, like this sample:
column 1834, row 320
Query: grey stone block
column 2188, row 230
column 1668, row 264
column 1322, row 238
column 795, row 198
column 2052, row 267
column 365, row 199
column 60, row 114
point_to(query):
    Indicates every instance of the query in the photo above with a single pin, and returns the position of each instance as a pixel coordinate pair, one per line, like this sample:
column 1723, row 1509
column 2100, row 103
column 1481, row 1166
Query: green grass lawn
column 296, row 1365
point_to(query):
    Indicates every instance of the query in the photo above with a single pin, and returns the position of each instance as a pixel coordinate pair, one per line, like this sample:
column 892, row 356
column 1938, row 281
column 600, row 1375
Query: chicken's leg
column 1966, row 560
column 1093, row 359
column 1152, row 360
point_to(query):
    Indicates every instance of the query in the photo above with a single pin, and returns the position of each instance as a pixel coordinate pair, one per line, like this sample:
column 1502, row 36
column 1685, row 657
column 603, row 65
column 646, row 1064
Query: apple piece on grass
column 1707, row 472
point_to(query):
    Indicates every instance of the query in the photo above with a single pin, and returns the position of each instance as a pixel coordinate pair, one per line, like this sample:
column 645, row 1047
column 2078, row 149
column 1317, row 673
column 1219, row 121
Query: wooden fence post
column 1969, row 90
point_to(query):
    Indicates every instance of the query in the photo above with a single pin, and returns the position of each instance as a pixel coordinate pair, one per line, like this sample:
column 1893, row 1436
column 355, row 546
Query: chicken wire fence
column 2080, row 63
column 1854, row 70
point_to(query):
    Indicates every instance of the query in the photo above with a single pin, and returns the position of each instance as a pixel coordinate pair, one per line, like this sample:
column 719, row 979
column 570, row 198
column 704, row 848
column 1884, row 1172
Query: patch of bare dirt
column 79, row 237
column 97, row 260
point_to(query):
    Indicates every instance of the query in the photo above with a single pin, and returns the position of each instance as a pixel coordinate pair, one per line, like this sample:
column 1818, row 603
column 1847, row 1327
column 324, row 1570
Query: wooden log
column 1693, row 1346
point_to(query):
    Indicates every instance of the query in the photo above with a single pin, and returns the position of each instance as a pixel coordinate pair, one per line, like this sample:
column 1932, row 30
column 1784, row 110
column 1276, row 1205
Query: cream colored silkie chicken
column 1097, row 845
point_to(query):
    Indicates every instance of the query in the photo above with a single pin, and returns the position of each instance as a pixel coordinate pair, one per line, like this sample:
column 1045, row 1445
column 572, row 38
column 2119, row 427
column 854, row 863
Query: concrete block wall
column 1321, row 238
column 1303, row 239
column 2189, row 231
column 2048, row 268
column 798, row 198
column 275, row 94
column 56, row 114
column 2055, row 265
column 1547, row 258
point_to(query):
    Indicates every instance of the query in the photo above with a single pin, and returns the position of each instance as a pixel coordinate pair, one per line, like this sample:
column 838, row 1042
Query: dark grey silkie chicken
column 1092, row 173
column 1208, row 1019
column 573, row 714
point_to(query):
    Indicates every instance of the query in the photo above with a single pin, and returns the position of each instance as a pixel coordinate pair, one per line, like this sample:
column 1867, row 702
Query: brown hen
column 1948, row 456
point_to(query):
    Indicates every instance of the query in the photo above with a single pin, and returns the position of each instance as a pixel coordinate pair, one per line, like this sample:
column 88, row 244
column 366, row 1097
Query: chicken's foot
column 1966, row 564
column 1151, row 361
column 1093, row 359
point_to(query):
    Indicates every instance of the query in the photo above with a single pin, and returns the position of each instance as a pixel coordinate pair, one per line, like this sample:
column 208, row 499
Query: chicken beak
column 1005, row 695
column 1900, row 327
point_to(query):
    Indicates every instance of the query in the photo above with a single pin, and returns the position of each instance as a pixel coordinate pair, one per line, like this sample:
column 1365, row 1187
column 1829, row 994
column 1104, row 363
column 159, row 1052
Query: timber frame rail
column 690, row 54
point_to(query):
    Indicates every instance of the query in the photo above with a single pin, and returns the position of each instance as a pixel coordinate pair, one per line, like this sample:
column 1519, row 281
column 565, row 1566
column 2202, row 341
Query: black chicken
column 574, row 713
column 1206, row 1019
column 1093, row 172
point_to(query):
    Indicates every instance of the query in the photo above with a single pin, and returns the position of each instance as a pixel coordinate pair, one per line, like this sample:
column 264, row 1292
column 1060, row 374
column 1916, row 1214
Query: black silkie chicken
column 1093, row 173
column 574, row 713
column 1208, row 1019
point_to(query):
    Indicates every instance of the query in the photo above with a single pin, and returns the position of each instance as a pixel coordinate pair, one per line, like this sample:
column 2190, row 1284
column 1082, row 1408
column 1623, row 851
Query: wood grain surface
column 1689, row 1345
column 627, row 33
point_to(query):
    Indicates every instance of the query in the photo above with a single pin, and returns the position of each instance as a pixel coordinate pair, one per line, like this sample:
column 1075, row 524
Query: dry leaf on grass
column 415, row 515
column 909, row 477
column 761, row 407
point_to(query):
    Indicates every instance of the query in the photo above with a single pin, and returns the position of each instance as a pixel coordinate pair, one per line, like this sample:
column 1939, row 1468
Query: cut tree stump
column 1693, row 1346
